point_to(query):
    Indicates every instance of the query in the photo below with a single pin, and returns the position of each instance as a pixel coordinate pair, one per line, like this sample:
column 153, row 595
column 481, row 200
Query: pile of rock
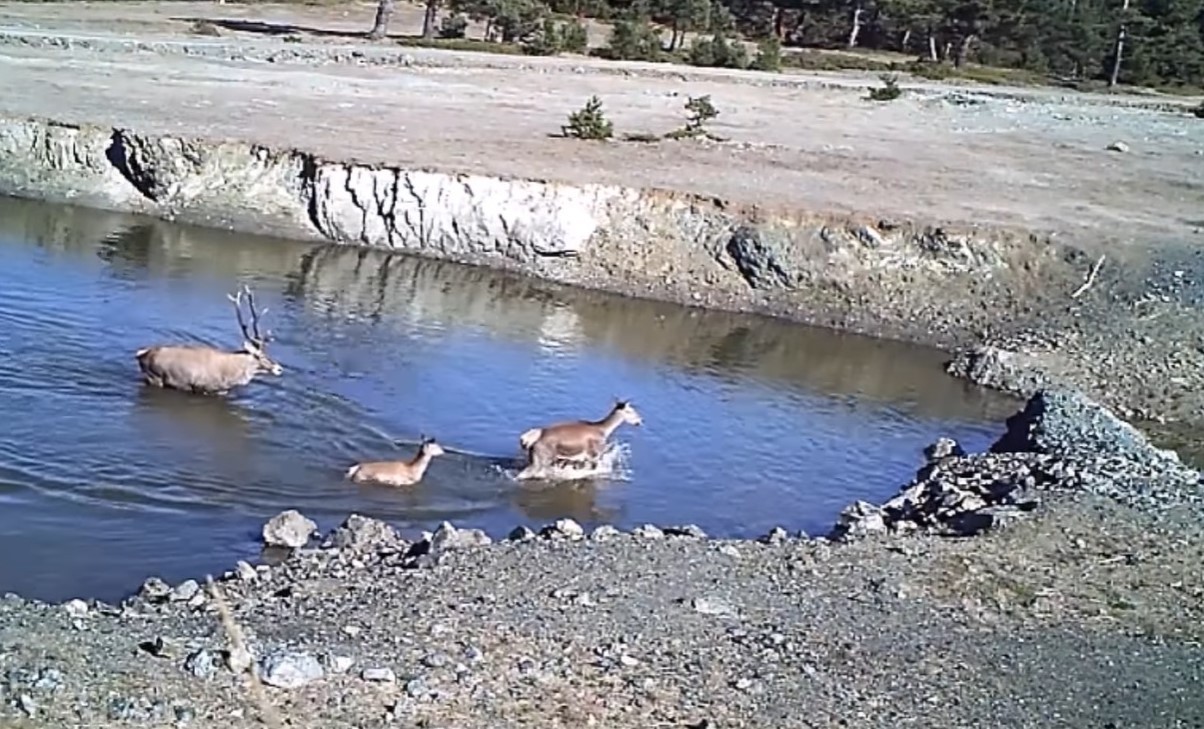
column 1060, row 440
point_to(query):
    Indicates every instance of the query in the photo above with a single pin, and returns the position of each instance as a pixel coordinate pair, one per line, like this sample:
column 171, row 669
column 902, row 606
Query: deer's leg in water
column 541, row 455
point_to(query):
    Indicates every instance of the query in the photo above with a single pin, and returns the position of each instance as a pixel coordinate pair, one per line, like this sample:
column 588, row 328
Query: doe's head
column 628, row 412
column 430, row 447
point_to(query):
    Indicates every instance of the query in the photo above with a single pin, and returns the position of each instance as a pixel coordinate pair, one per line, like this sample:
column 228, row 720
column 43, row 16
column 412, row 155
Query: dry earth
column 1035, row 160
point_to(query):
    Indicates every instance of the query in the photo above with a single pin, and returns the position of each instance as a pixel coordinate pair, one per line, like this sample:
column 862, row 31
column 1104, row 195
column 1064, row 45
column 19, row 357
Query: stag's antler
column 261, row 338
column 237, row 299
column 258, row 338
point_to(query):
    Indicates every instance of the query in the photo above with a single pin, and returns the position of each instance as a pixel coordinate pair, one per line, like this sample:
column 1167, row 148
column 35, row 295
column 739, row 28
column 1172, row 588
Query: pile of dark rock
column 1061, row 440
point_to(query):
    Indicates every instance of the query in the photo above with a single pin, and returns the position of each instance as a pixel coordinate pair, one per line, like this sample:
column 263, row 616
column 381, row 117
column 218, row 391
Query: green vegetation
column 889, row 91
column 701, row 111
column 589, row 122
column 1001, row 41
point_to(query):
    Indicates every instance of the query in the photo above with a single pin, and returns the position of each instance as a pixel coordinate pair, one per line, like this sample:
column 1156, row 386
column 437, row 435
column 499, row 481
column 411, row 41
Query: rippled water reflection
column 749, row 422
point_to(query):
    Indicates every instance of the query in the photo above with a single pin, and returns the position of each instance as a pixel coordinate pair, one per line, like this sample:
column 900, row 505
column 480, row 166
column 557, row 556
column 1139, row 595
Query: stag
column 575, row 442
column 207, row 370
column 397, row 473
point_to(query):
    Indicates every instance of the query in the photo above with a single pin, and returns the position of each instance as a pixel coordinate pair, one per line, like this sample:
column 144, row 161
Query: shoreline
column 977, row 566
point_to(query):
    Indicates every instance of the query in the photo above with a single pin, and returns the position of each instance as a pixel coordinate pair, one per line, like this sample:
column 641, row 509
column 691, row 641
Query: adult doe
column 577, row 442
column 207, row 370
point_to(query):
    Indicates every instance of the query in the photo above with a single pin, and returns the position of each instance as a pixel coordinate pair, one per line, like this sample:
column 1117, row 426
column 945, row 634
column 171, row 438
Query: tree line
column 1158, row 43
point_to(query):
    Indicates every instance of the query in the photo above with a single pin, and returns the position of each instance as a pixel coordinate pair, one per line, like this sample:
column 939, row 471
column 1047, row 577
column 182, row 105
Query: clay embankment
column 951, row 217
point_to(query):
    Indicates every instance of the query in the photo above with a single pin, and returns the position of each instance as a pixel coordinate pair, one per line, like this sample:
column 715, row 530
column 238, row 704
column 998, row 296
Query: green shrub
column 701, row 111
column 634, row 40
column 718, row 52
column 573, row 37
column 889, row 90
column 453, row 26
column 589, row 122
column 769, row 55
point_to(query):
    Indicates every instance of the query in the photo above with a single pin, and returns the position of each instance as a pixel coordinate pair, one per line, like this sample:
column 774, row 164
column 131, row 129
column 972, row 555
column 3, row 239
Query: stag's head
column 628, row 412
column 430, row 448
column 254, row 343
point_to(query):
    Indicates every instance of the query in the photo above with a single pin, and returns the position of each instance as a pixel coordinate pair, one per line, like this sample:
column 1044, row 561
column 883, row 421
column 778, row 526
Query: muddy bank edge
column 1000, row 300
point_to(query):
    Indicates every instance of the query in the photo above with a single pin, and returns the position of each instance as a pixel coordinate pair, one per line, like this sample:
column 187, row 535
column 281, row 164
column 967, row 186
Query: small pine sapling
column 589, row 122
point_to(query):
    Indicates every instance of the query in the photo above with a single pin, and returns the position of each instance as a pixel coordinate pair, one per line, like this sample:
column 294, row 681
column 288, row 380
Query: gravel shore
column 1073, row 607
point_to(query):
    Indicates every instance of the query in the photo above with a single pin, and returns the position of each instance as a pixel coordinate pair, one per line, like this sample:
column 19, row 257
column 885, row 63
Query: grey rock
column 973, row 523
column 154, row 590
column 416, row 688
column 449, row 537
column 245, row 571
column 710, row 605
column 378, row 674
column 76, row 608
column 238, row 659
column 1118, row 147
column 563, row 528
column 289, row 669
column 604, row 532
column 648, row 531
column 943, row 448
column 200, row 663
column 520, row 534
column 288, row 529
column 337, row 663
column 185, row 591
column 687, row 530
column 359, row 533
column 435, row 660
column 27, row 704
column 777, row 535
column 858, row 520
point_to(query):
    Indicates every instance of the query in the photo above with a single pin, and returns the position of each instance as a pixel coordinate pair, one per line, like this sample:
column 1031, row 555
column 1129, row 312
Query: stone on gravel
column 185, row 591
column 686, row 530
column 943, row 448
column 245, row 571
column 858, row 520
column 449, row 537
column 288, row 529
column 289, row 669
column 648, row 531
column 603, row 532
column 710, row 605
column 337, row 663
column 378, row 674
column 200, row 663
column 76, row 608
column 520, row 534
column 359, row 533
column 777, row 535
column 154, row 590
column 563, row 528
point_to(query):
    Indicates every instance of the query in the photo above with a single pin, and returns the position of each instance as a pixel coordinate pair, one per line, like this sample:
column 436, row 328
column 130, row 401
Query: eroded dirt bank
column 961, row 217
column 1079, row 558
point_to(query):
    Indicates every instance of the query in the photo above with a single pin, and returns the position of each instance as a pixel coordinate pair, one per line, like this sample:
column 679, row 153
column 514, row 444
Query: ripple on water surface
column 749, row 423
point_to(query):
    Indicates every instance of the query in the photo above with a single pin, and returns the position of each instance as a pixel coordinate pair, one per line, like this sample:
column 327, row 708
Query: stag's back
column 197, row 367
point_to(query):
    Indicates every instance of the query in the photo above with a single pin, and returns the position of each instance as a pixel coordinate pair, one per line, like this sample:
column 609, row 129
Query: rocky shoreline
column 1084, row 562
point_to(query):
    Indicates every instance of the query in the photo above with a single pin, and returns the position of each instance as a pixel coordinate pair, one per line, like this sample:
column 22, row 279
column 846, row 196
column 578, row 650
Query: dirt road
column 1035, row 160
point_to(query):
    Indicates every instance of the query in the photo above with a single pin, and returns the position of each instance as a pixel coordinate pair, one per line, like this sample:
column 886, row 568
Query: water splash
column 612, row 465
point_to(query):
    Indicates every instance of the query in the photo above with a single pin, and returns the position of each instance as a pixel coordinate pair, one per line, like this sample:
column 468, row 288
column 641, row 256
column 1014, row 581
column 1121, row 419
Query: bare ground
column 1031, row 159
